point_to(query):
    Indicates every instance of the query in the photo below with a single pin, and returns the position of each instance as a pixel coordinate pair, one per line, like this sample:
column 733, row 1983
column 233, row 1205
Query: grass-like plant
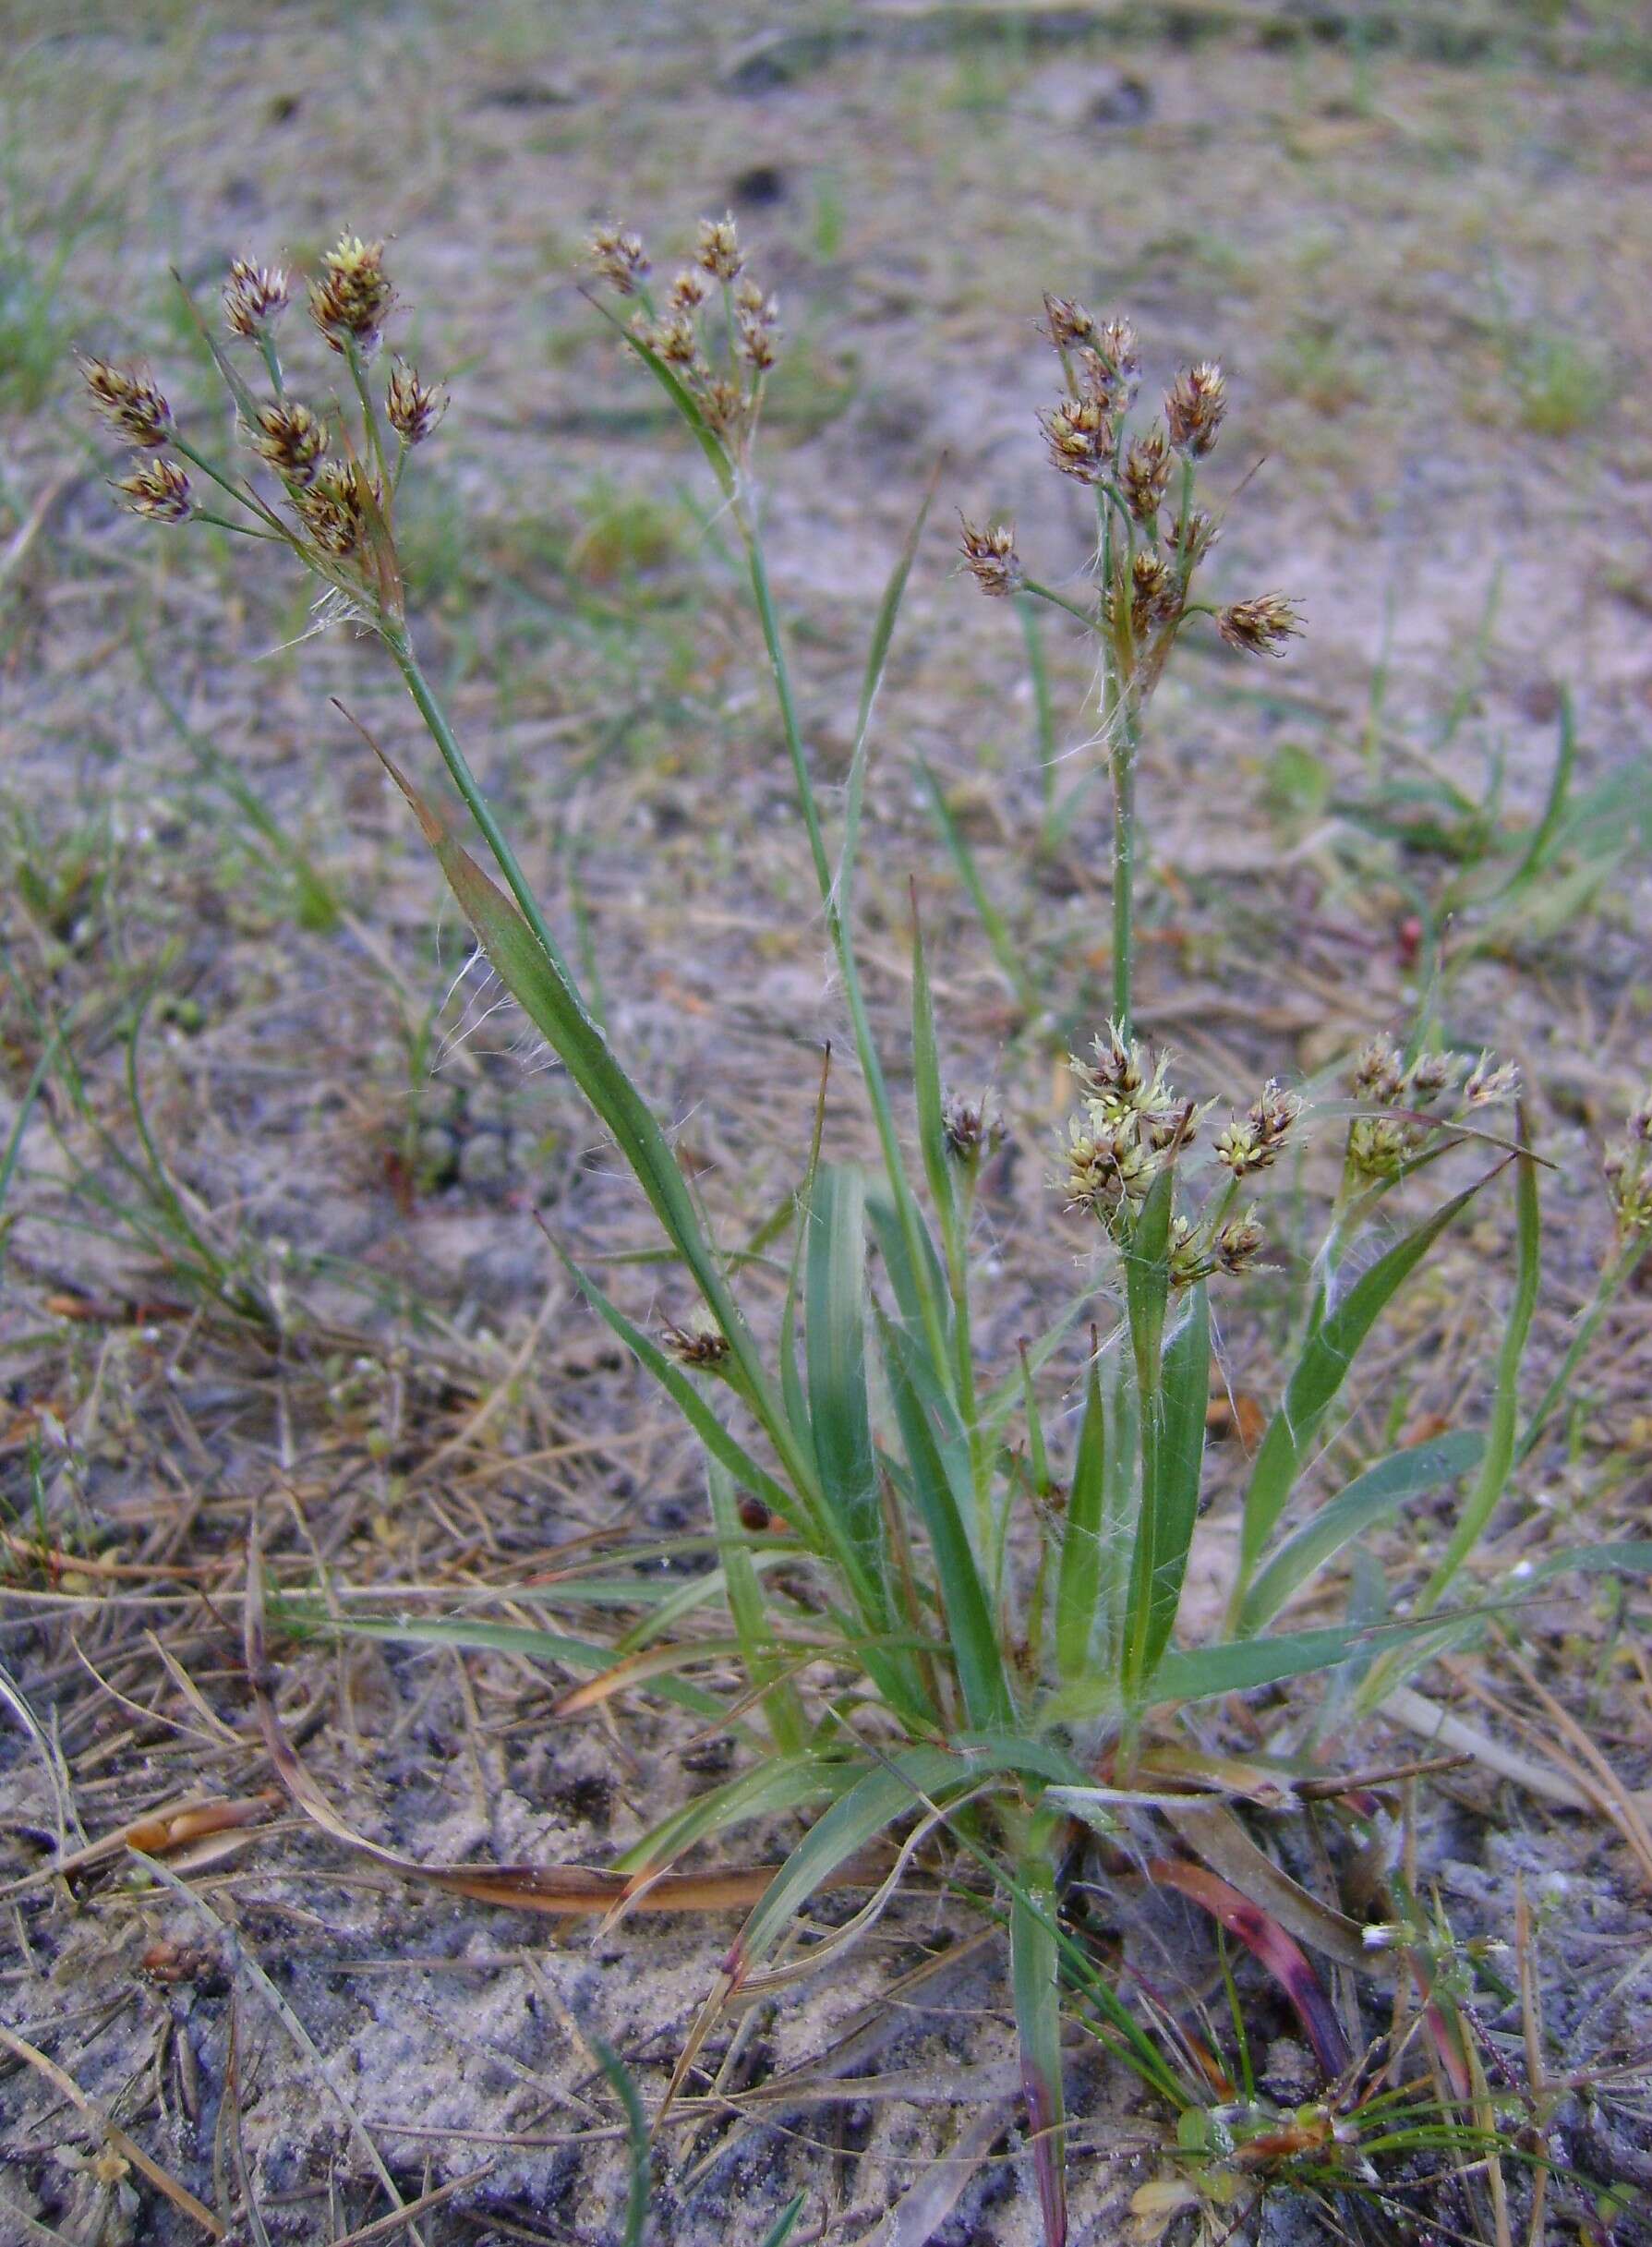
column 948, row 1597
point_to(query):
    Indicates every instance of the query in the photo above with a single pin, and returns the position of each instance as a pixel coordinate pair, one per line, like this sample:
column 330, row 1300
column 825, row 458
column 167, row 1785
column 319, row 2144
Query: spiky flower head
column 1256, row 1141
column 1080, row 435
column 130, row 402
column 675, row 339
column 1628, row 1168
column 350, row 298
column 1377, row 1074
column 1430, row 1075
column 333, row 507
column 1489, row 1081
column 718, row 251
column 414, row 406
column 1260, row 627
column 1108, row 1167
column 991, row 558
column 1069, row 324
column 689, row 290
column 1154, row 595
column 969, row 1130
column 1194, row 405
column 700, row 1344
column 757, row 325
column 1112, row 364
column 290, row 437
column 1238, row 1243
column 254, row 296
column 1144, row 475
column 727, row 409
column 157, row 490
column 617, row 254
column 1196, row 533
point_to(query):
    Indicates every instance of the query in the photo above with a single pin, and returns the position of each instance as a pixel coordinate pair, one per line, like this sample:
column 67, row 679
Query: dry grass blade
column 1217, row 1836
column 566, row 1890
column 180, row 2196
column 156, row 1834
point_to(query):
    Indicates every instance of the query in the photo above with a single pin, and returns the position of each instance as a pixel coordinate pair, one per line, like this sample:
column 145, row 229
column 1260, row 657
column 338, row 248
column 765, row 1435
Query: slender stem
column 1123, row 728
column 272, row 365
column 1612, row 1281
column 1060, row 601
column 466, row 782
column 369, row 411
column 843, row 951
column 248, row 499
column 242, row 530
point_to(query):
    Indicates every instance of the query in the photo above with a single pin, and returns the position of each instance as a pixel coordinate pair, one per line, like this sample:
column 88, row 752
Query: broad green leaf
column 1242, row 1663
column 1319, row 1372
column 1500, row 1435
column 1079, row 1583
column 835, row 1352
column 1036, row 1986
column 1179, row 1467
column 963, row 1597
column 1369, row 1499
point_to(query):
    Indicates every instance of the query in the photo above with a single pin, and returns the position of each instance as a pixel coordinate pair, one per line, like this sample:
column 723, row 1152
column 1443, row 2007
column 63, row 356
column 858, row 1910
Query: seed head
column 1145, row 475
column 158, row 490
column 332, row 507
column 1432, row 1074
column 688, row 291
column 414, row 406
column 757, row 323
column 254, row 296
column 1080, row 435
column 350, row 299
column 1489, row 1081
column 1260, row 627
column 1378, row 1146
column 1238, row 1243
column 1630, row 1185
column 991, row 558
column 727, row 409
column 1154, row 597
column 1256, row 1142
column 1377, row 1074
column 969, row 1130
column 1107, row 1167
column 700, row 1345
column 618, row 256
column 1069, row 323
column 675, row 339
column 129, row 403
column 1196, row 533
column 291, row 438
column 1112, row 364
column 719, row 252
column 1194, row 405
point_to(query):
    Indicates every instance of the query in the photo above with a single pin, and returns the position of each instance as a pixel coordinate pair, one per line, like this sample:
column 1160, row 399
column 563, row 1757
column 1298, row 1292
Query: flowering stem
column 242, row 499
column 1123, row 743
column 369, row 411
column 272, row 365
column 1612, row 1282
column 1058, row 600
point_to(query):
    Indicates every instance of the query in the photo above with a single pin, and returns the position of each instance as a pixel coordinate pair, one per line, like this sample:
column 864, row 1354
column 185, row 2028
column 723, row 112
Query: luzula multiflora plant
column 972, row 1636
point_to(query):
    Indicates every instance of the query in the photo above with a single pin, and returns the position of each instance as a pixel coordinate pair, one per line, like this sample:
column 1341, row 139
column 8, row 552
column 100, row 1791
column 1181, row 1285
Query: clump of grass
column 950, row 1597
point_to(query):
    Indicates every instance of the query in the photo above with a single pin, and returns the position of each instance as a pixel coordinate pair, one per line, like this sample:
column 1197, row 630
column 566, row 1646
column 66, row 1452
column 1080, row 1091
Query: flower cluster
column 725, row 376
column 337, row 509
column 1431, row 1090
column 1628, row 1168
column 1154, row 536
column 1134, row 1123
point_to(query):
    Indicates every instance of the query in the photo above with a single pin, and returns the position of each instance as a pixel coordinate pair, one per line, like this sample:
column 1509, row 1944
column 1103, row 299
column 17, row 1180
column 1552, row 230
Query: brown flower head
column 1153, row 593
column 333, row 507
column 618, row 256
column 991, row 558
column 1145, row 475
column 969, row 1130
column 129, row 403
column 290, row 437
column 700, row 1345
column 1112, row 364
column 352, row 295
column 1194, row 405
column 1490, row 1080
column 718, row 251
column 1238, row 1243
column 1260, row 627
column 675, row 339
column 757, row 322
column 727, row 409
column 414, row 406
column 157, row 490
column 254, row 296
column 688, row 291
column 1069, row 323
column 1377, row 1074
column 1081, row 437
column 1196, row 533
